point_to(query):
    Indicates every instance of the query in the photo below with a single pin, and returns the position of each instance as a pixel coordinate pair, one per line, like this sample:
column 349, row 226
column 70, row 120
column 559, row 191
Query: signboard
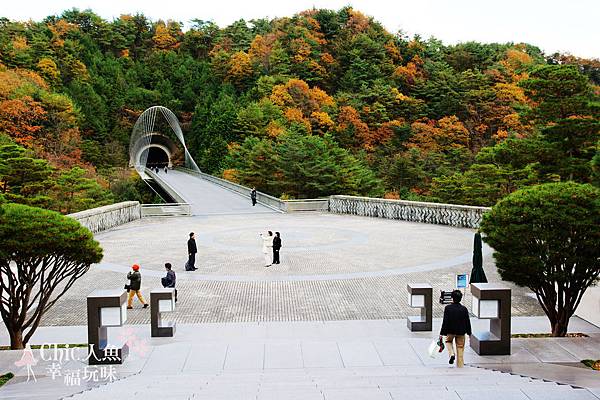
column 462, row 281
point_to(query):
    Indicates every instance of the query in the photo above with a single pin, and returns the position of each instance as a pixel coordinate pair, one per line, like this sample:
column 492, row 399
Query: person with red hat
column 135, row 284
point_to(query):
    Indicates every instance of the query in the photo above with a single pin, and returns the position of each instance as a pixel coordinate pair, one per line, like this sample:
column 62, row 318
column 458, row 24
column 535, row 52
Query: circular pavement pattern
column 315, row 247
column 333, row 267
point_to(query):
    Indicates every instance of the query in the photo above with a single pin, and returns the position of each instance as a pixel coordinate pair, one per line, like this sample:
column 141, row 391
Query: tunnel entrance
column 157, row 157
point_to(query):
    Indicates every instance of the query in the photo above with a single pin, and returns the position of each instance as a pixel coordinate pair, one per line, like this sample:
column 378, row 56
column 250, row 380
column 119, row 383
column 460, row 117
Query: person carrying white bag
column 455, row 325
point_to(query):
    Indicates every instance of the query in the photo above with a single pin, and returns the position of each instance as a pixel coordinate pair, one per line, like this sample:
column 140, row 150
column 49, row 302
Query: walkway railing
column 166, row 210
column 102, row 218
column 265, row 199
column 415, row 211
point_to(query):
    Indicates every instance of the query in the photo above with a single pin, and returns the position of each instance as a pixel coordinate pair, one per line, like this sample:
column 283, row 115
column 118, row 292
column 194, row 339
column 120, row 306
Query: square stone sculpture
column 105, row 308
column 493, row 302
column 161, row 301
column 420, row 295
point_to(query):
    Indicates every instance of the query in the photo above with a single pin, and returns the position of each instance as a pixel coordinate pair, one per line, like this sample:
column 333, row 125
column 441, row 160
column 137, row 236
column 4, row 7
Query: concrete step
column 337, row 383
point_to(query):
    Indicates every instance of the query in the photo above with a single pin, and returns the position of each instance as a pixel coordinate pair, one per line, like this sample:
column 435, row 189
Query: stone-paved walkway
column 307, row 360
column 334, row 267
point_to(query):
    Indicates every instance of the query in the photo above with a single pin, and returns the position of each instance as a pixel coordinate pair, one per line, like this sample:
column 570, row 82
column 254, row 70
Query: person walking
column 192, row 250
column 276, row 248
column 455, row 325
column 253, row 196
column 267, row 247
column 169, row 280
column 135, row 284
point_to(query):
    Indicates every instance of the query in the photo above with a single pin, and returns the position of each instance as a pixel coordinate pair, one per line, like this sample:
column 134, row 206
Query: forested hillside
column 323, row 102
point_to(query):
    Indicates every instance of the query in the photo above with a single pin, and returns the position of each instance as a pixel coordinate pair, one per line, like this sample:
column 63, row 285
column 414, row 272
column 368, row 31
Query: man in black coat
column 276, row 248
column 455, row 325
column 192, row 250
column 169, row 280
column 253, row 196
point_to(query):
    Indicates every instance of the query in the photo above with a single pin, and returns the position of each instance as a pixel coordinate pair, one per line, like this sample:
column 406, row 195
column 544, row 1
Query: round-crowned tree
column 42, row 253
column 547, row 238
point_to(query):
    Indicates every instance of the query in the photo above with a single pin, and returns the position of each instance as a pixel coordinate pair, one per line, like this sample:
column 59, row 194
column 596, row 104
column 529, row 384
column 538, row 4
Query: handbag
column 436, row 347
column 127, row 287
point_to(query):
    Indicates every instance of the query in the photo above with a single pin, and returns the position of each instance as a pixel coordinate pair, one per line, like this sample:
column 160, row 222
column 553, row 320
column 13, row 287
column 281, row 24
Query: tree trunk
column 16, row 340
column 561, row 325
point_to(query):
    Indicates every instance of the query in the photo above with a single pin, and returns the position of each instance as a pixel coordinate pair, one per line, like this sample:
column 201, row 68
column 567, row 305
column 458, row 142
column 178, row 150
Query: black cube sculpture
column 420, row 295
column 161, row 300
column 105, row 308
column 492, row 301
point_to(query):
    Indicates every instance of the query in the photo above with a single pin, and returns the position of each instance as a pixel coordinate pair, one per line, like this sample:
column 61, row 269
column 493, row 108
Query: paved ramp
column 206, row 198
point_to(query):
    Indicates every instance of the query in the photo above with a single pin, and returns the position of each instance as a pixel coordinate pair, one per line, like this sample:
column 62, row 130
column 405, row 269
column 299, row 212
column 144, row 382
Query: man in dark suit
column 253, row 196
column 192, row 250
column 276, row 248
column 455, row 325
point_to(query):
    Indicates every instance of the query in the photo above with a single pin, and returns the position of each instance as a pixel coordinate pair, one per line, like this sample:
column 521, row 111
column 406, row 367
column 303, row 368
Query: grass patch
column 545, row 335
column 6, row 377
column 58, row 345
column 593, row 364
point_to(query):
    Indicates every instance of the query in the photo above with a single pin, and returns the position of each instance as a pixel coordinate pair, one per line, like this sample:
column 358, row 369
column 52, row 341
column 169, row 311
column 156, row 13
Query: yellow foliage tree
column 240, row 69
column 48, row 69
column 162, row 38
column 439, row 136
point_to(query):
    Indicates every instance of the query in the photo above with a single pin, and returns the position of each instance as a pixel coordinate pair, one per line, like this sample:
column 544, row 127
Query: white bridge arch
column 143, row 132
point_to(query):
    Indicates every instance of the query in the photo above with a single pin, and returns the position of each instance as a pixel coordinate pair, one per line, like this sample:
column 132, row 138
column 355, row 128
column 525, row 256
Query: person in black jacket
column 253, row 196
column 276, row 248
column 169, row 280
column 135, row 284
column 455, row 325
column 192, row 250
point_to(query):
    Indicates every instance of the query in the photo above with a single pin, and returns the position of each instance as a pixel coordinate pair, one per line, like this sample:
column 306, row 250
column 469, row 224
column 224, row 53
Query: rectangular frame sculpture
column 161, row 300
column 420, row 295
column 493, row 302
column 105, row 308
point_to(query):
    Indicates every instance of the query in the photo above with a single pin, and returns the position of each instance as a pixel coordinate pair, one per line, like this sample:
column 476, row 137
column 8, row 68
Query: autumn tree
column 21, row 118
column 439, row 136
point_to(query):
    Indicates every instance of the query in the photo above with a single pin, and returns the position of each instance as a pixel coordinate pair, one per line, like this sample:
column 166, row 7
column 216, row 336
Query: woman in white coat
column 267, row 248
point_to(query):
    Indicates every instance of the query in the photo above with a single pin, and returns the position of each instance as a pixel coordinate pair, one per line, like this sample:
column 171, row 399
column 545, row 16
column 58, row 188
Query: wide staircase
column 369, row 383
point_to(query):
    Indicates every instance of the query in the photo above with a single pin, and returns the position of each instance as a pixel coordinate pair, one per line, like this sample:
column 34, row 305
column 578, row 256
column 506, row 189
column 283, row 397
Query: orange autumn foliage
column 297, row 94
column 21, row 119
column 162, row 38
column 60, row 29
column 321, row 121
column 349, row 119
column 260, row 50
column 274, row 129
column 295, row 115
column 230, row 175
column 357, row 21
column 410, row 72
column 240, row 68
column 439, row 136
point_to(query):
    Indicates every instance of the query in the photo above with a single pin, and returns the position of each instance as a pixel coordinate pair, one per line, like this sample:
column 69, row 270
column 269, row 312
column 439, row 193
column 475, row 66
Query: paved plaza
column 328, row 323
column 331, row 360
column 333, row 267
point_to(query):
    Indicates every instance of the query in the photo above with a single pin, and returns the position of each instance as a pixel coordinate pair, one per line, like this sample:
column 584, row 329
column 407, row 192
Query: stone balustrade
column 102, row 218
column 414, row 211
